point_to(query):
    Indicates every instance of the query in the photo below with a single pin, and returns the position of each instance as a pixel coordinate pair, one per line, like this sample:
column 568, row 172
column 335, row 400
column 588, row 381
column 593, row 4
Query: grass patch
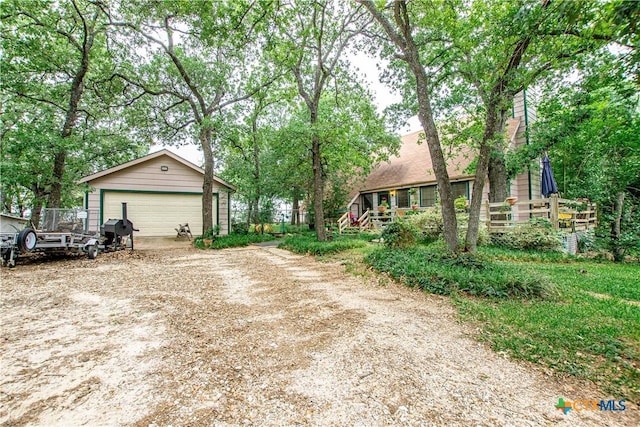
column 597, row 338
column 306, row 244
column 232, row 240
column 589, row 328
column 616, row 280
column 443, row 273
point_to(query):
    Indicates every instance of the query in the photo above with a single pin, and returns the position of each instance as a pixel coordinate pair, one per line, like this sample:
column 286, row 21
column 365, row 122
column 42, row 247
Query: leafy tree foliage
column 471, row 58
column 204, row 60
column 314, row 36
column 590, row 129
column 56, row 67
column 399, row 21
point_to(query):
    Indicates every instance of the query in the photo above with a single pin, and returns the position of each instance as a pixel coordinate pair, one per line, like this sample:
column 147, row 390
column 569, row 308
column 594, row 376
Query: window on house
column 460, row 189
column 402, row 198
column 428, row 196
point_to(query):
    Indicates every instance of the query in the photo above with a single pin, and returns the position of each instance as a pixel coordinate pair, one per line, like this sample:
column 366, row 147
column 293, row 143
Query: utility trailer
column 70, row 231
column 15, row 237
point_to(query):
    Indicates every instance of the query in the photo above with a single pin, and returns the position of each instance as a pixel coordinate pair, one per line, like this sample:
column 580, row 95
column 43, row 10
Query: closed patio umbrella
column 548, row 186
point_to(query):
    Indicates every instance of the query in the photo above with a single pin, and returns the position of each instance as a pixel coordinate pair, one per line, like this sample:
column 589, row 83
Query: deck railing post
column 554, row 208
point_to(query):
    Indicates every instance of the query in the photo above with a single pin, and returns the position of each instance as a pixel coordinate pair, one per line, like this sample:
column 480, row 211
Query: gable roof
column 412, row 166
column 163, row 152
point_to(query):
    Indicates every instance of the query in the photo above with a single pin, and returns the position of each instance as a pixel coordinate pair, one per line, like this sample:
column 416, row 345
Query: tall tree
column 590, row 129
column 315, row 36
column 204, row 60
column 399, row 27
column 245, row 152
column 476, row 55
column 55, row 64
column 500, row 49
column 352, row 134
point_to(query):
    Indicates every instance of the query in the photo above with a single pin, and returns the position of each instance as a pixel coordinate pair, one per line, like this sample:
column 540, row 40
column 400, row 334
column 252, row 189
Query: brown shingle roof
column 413, row 167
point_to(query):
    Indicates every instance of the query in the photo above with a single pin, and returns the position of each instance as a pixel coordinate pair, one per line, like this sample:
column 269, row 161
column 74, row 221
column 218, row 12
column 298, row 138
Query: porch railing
column 363, row 221
column 345, row 223
column 562, row 214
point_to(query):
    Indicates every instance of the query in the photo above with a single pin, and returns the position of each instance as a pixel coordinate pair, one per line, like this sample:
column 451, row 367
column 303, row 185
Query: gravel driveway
column 252, row 336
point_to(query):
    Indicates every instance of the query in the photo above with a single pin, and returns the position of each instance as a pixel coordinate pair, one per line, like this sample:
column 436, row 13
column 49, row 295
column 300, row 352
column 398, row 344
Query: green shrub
column 430, row 227
column 232, row 240
column 310, row 245
column 533, row 235
column 461, row 203
column 211, row 233
column 240, row 228
column 399, row 234
column 445, row 273
column 429, row 224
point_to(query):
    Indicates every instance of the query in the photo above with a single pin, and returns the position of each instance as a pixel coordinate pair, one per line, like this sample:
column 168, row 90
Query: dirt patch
column 155, row 243
column 254, row 336
column 607, row 296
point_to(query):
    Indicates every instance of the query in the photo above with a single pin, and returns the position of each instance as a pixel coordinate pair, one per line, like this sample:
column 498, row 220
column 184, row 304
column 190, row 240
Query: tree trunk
column 494, row 127
column 249, row 213
column 55, row 195
column 471, row 238
column 256, row 210
column 36, row 210
column 77, row 88
column 5, row 204
column 207, row 184
column 404, row 40
column 295, row 207
column 498, row 180
column 318, row 190
column 616, row 227
column 256, row 170
column 425, row 115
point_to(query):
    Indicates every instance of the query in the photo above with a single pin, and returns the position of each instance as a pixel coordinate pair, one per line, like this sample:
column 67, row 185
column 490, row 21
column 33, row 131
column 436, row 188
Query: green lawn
column 591, row 329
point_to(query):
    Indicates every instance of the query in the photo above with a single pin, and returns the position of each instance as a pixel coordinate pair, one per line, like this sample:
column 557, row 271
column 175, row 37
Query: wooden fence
column 563, row 214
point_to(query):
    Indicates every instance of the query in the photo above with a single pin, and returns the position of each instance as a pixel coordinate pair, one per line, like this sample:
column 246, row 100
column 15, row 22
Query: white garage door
column 157, row 214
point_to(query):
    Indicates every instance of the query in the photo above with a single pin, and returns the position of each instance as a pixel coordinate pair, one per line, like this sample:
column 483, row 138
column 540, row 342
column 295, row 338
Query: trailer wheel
column 92, row 251
column 27, row 240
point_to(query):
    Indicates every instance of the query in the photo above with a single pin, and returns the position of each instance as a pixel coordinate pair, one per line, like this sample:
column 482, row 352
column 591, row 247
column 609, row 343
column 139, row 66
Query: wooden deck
column 562, row 214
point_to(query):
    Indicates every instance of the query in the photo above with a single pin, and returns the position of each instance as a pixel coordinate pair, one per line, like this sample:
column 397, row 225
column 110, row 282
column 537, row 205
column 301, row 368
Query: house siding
column 148, row 176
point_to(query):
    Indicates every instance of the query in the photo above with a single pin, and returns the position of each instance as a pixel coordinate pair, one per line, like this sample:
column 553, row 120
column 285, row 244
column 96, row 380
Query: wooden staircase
column 345, row 225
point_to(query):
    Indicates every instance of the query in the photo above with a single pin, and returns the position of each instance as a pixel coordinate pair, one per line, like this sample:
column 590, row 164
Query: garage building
column 161, row 190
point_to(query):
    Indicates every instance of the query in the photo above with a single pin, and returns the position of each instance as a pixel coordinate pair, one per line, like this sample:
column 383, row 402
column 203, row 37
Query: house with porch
column 407, row 181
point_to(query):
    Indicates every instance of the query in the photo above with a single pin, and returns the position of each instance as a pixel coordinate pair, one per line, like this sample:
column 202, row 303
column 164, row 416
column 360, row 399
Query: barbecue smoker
column 114, row 231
